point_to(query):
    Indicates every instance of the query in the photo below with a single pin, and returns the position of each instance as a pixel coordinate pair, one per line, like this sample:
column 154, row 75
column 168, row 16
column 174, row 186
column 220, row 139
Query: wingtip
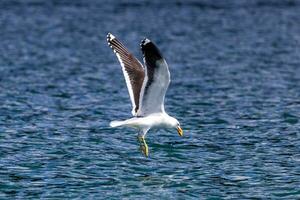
column 110, row 37
column 145, row 41
column 149, row 46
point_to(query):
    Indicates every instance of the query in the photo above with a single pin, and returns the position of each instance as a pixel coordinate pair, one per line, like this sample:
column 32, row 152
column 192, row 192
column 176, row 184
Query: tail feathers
column 116, row 123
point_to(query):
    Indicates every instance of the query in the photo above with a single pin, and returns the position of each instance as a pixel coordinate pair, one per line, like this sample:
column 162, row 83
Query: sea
column 235, row 88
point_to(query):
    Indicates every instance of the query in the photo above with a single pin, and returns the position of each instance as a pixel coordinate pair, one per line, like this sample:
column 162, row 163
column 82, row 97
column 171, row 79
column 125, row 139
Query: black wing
column 156, row 81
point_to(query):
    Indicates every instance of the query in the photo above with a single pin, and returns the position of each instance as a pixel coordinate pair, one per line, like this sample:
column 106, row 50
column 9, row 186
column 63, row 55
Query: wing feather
column 133, row 70
column 156, row 81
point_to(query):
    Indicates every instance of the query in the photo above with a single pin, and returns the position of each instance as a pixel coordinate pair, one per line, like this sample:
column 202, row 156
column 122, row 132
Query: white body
column 155, row 120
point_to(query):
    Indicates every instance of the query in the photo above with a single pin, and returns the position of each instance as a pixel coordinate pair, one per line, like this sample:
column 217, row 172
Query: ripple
column 235, row 90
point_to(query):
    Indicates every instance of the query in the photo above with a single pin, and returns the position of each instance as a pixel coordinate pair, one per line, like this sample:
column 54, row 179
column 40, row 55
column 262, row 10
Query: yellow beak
column 180, row 131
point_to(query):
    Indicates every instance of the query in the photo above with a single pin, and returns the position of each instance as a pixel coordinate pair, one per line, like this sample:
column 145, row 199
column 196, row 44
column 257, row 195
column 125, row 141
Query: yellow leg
column 143, row 145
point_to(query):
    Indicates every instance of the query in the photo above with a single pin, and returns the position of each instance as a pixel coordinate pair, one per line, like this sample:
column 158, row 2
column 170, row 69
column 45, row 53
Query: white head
column 174, row 123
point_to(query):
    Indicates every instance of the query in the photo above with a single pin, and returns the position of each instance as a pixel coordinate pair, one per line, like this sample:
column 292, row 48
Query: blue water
column 235, row 89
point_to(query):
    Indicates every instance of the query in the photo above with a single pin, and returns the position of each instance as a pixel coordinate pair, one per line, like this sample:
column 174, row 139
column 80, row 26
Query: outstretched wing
column 132, row 69
column 156, row 81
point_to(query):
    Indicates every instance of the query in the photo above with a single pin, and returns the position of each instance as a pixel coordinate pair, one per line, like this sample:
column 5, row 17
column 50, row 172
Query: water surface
column 235, row 90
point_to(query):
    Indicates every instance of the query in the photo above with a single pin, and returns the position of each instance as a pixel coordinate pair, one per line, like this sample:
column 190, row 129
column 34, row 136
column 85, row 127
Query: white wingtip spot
column 110, row 37
column 146, row 41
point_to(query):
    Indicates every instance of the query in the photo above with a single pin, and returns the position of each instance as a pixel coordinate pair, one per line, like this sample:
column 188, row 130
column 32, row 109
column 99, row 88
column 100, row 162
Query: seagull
column 147, row 87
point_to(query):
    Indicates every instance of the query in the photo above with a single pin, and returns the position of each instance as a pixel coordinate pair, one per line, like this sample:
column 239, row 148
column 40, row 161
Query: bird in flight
column 147, row 87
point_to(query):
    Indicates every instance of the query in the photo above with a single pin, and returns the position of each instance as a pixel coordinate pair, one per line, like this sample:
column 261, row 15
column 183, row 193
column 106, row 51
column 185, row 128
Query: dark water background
column 235, row 88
